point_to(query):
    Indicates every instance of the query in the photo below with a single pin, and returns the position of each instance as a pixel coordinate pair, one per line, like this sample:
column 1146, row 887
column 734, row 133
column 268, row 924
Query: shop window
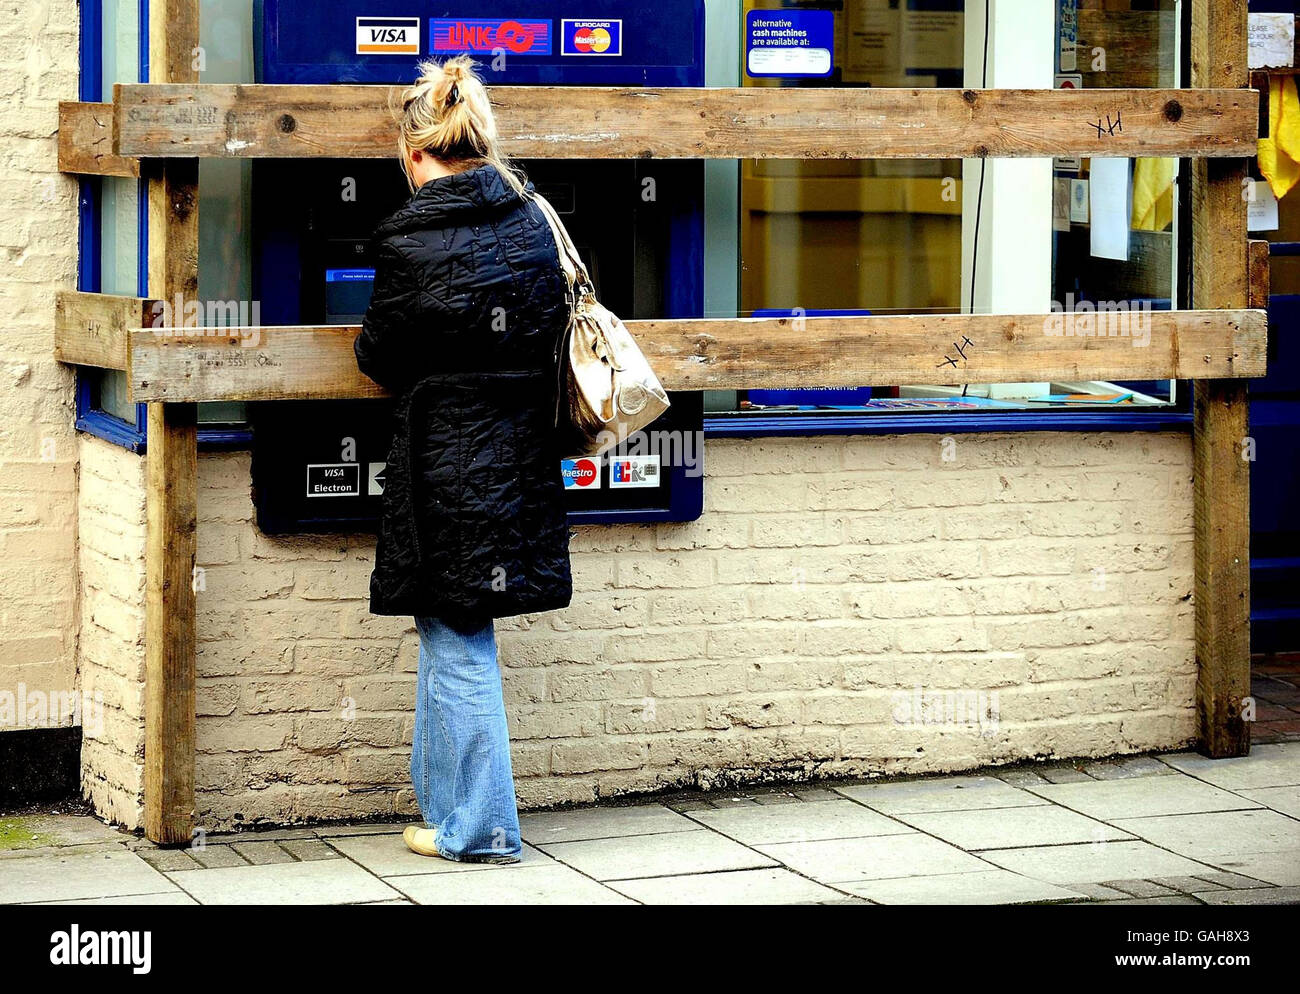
column 897, row 236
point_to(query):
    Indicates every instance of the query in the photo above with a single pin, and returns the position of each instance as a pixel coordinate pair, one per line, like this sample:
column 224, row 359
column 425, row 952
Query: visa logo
column 515, row 36
column 388, row 36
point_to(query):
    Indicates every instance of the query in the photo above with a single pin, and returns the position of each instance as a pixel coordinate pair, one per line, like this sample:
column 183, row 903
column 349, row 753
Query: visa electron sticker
column 580, row 474
column 789, row 44
column 515, row 37
column 388, row 36
column 591, row 37
column 634, row 471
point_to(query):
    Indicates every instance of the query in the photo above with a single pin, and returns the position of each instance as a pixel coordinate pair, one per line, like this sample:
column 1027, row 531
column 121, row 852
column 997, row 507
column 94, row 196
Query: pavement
column 1173, row 828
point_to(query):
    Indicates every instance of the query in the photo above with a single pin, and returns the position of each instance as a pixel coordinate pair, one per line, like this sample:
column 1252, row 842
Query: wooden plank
column 90, row 328
column 718, row 353
column 172, row 498
column 346, row 121
column 171, row 519
column 1221, row 485
column 86, row 141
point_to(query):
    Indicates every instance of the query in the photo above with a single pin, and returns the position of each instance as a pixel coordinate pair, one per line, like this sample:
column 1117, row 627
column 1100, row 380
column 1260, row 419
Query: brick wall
column 832, row 586
column 38, row 452
column 111, row 516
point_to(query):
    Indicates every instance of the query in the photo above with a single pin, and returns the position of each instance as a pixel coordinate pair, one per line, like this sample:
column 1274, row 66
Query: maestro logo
column 515, row 36
column 587, row 37
column 580, row 474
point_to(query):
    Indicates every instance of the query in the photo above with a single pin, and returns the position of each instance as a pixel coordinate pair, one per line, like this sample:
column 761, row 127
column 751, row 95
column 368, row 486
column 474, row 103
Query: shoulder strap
column 570, row 261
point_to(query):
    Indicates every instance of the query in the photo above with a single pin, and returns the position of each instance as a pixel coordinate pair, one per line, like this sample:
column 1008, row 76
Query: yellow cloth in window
column 1279, row 153
column 1153, row 194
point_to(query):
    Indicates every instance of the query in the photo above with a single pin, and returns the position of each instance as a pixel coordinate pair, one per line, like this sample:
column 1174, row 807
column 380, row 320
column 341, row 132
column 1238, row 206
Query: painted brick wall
column 38, row 451
column 111, row 516
column 787, row 634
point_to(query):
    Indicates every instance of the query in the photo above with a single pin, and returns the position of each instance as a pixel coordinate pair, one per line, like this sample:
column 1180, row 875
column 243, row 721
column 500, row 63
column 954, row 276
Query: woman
column 464, row 328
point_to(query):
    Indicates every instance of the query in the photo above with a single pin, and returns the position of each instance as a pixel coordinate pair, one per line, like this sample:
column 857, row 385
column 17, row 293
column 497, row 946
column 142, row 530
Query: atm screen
column 347, row 294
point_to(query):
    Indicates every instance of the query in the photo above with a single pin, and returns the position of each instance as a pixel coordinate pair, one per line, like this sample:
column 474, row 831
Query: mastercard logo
column 591, row 37
column 595, row 40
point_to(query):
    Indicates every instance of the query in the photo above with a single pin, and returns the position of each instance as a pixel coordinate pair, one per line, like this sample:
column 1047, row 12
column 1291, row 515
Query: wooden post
column 1222, row 476
column 172, row 468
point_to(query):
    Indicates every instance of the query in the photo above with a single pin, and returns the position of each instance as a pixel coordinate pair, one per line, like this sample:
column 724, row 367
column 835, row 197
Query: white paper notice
column 1261, row 209
column 1272, row 41
column 1108, row 202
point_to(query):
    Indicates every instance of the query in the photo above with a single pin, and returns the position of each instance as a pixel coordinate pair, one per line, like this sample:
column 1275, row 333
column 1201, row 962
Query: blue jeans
column 460, row 758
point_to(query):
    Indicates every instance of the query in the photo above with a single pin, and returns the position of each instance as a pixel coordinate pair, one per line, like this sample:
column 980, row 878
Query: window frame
column 89, row 418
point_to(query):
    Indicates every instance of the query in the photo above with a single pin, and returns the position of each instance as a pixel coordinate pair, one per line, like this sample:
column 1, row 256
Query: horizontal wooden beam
column 90, row 329
column 346, row 121
column 291, row 363
column 86, row 141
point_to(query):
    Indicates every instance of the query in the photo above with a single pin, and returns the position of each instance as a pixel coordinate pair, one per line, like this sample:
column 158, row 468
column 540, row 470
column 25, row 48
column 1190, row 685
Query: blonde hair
column 447, row 113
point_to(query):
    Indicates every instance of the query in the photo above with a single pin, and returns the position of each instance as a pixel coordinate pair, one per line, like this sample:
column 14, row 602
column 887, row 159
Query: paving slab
column 1281, row 868
column 548, row 883
column 1094, row 862
column 1270, row 895
column 1142, row 797
column 168, row 860
column 733, row 887
column 308, row 849
column 581, row 824
column 991, row 886
column 804, row 821
column 328, row 881
column 876, row 858
column 1174, row 899
column 387, row 855
column 1275, row 765
column 1144, row 888
column 1013, row 828
column 1283, row 799
column 665, row 854
column 212, row 857
column 1126, row 768
column 948, row 794
column 370, row 828
column 165, row 898
column 18, row 832
column 55, row 876
column 1222, row 833
column 262, row 853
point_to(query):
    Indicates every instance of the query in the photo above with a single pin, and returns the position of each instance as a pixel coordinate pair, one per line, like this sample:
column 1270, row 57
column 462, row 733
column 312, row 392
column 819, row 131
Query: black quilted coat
column 464, row 328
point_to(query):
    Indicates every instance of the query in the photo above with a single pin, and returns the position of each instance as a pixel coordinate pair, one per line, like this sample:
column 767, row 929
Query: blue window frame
column 92, row 415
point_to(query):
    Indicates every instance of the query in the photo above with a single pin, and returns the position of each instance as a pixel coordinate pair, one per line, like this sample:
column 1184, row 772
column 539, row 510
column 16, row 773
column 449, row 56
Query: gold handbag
column 609, row 389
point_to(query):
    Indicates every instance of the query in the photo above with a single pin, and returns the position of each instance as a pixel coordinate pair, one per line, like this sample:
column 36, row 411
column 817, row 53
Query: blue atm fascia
column 660, row 44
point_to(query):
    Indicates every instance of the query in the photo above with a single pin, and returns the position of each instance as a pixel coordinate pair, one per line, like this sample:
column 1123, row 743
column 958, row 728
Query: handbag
column 608, row 390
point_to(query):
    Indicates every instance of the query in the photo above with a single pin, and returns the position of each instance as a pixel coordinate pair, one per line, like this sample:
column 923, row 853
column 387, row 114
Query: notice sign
column 337, row 480
column 789, row 44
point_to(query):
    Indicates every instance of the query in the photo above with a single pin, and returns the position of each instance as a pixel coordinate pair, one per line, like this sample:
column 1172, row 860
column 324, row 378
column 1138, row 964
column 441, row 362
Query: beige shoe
column 420, row 840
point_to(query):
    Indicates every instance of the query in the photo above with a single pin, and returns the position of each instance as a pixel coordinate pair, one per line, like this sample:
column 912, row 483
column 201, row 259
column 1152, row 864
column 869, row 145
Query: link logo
column 516, row 37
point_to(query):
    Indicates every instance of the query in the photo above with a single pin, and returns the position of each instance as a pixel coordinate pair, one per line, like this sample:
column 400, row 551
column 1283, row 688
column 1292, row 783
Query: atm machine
column 318, row 466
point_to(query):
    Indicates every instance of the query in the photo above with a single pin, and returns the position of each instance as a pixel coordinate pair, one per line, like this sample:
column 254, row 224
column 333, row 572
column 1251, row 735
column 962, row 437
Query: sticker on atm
column 334, row 480
column 581, row 474
column 634, row 471
column 515, row 37
column 388, row 36
column 579, row 37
